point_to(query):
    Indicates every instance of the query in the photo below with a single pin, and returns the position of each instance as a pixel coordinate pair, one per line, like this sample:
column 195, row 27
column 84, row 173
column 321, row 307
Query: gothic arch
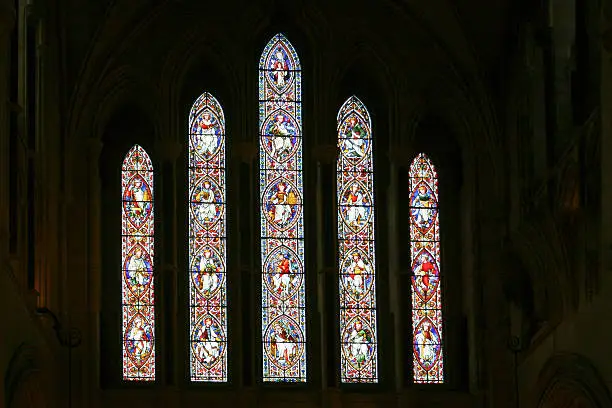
column 472, row 120
column 204, row 56
column 446, row 31
column 296, row 23
column 120, row 88
column 363, row 61
column 207, row 67
column 120, row 25
column 128, row 124
column 371, row 72
column 435, row 136
column 128, row 26
column 571, row 381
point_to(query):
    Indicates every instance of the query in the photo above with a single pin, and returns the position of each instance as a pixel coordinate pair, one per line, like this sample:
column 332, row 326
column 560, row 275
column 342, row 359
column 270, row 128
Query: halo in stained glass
column 356, row 215
column 137, row 281
column 286, row 216
column 282, row 225
column 207, row 241
column 208, row 202
column 427, row 355
column 207, row 273
column 357, row 209
column 211, row 351
column 280, row 136
column 358, row 347
column 283, row 285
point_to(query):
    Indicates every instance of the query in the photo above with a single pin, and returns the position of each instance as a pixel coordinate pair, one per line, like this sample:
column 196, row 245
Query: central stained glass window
column 282, row 219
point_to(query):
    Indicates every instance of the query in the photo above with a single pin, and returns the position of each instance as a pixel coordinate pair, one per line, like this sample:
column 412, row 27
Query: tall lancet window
column 356, row 252
column 137, row 245
column 282, row 220
column 207, row 241
column 428, row 359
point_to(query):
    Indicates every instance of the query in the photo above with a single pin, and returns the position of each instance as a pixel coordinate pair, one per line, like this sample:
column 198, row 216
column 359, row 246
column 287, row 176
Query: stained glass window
column 428, row 360
column 282, row 219
column 207, row 241
column 358, row 334
column 138, row 301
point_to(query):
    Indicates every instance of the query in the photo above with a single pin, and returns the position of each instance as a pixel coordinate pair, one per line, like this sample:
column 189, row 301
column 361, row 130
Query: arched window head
column 137, row 244
column 282, row 218
column 356, row 252
column 428, row 359
column 207, row 241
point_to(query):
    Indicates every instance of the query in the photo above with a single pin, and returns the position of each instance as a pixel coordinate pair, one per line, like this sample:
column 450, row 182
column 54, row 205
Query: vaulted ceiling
column 482, row 25
column 486, row 24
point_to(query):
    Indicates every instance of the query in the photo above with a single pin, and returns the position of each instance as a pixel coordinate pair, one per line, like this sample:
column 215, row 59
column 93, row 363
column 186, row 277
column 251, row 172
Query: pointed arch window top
column 137, row 159
column 427, row 320
column 207, row 241
column 206, row 104
column 355, row 108
column 279, row 49
column 357, row 254
column 137, row 253
column 422, row 167
column 283, row 318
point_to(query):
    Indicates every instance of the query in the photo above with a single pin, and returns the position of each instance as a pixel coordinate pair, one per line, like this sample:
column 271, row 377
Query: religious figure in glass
column 427, row 357
column 355, row 176
column 137, row 244
column 355, row 143
column 360, row 340
column 282, row 225
column 207, row 241
column 209, row 342
column 207, row 135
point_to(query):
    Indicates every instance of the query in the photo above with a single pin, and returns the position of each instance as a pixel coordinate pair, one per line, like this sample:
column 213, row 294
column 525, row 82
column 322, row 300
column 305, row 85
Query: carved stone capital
column 245, row 152
column 326, row 154
column 168, row 150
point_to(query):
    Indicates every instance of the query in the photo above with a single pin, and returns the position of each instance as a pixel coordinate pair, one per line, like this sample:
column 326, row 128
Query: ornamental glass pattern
column 283, row 289
column 137, row 283
column 207, row 241
column 356, row 252
column 428, row 360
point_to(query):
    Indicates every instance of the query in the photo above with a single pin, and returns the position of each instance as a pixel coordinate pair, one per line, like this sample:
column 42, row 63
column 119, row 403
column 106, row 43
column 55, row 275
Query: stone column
column 169, row 332
column 243, row 244
column 468, row 265
column 7, row 21
column 562, row 20
column 325, row 157
column 94, row 268
column 493, row 325
column 606, row 151
column 399, row 274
